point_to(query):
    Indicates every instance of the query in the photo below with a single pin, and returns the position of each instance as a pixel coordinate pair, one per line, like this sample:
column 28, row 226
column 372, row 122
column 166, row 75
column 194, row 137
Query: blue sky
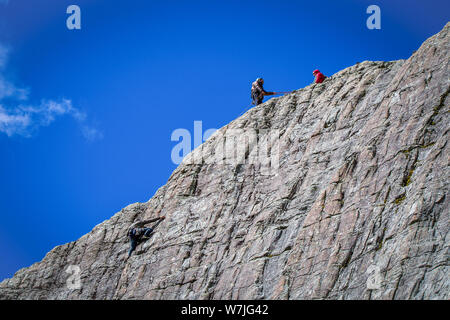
column 86, row 115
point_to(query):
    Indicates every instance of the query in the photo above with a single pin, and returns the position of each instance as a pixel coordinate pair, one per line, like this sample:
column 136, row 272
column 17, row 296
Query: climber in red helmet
column 319, row 76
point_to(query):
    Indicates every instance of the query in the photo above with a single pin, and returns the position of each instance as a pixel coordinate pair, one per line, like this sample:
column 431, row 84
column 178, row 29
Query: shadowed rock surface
column 353, row 205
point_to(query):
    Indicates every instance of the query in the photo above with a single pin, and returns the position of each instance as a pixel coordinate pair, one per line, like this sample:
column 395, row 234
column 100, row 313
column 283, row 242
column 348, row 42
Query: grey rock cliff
column 352, row 205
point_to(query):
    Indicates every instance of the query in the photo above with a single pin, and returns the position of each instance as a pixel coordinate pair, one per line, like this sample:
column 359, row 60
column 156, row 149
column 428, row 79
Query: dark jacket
column 258, row 91
column 138, row 226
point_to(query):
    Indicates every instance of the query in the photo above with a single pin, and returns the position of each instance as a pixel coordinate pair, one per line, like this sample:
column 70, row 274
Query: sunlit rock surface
column 352, row 205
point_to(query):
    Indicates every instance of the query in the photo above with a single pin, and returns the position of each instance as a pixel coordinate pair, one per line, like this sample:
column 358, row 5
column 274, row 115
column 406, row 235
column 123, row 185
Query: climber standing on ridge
column 319, row 76
column 138, row 234
column 258, row 92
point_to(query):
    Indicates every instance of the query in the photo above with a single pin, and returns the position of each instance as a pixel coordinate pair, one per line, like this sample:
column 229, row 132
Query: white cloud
column 91, row 133
column 24, row 120
column 8, row 90
column 13, row 123
column 19, row 117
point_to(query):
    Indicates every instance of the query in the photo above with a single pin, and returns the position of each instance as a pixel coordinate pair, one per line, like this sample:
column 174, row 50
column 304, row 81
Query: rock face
column 353, row 203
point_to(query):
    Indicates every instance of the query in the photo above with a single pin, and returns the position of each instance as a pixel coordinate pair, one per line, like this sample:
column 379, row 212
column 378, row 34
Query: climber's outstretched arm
column 160, row 220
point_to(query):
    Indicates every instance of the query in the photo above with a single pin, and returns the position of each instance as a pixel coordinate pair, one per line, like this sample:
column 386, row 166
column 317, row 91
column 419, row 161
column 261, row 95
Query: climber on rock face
column 258, row 92
column 319, row 76
column 137, row 233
